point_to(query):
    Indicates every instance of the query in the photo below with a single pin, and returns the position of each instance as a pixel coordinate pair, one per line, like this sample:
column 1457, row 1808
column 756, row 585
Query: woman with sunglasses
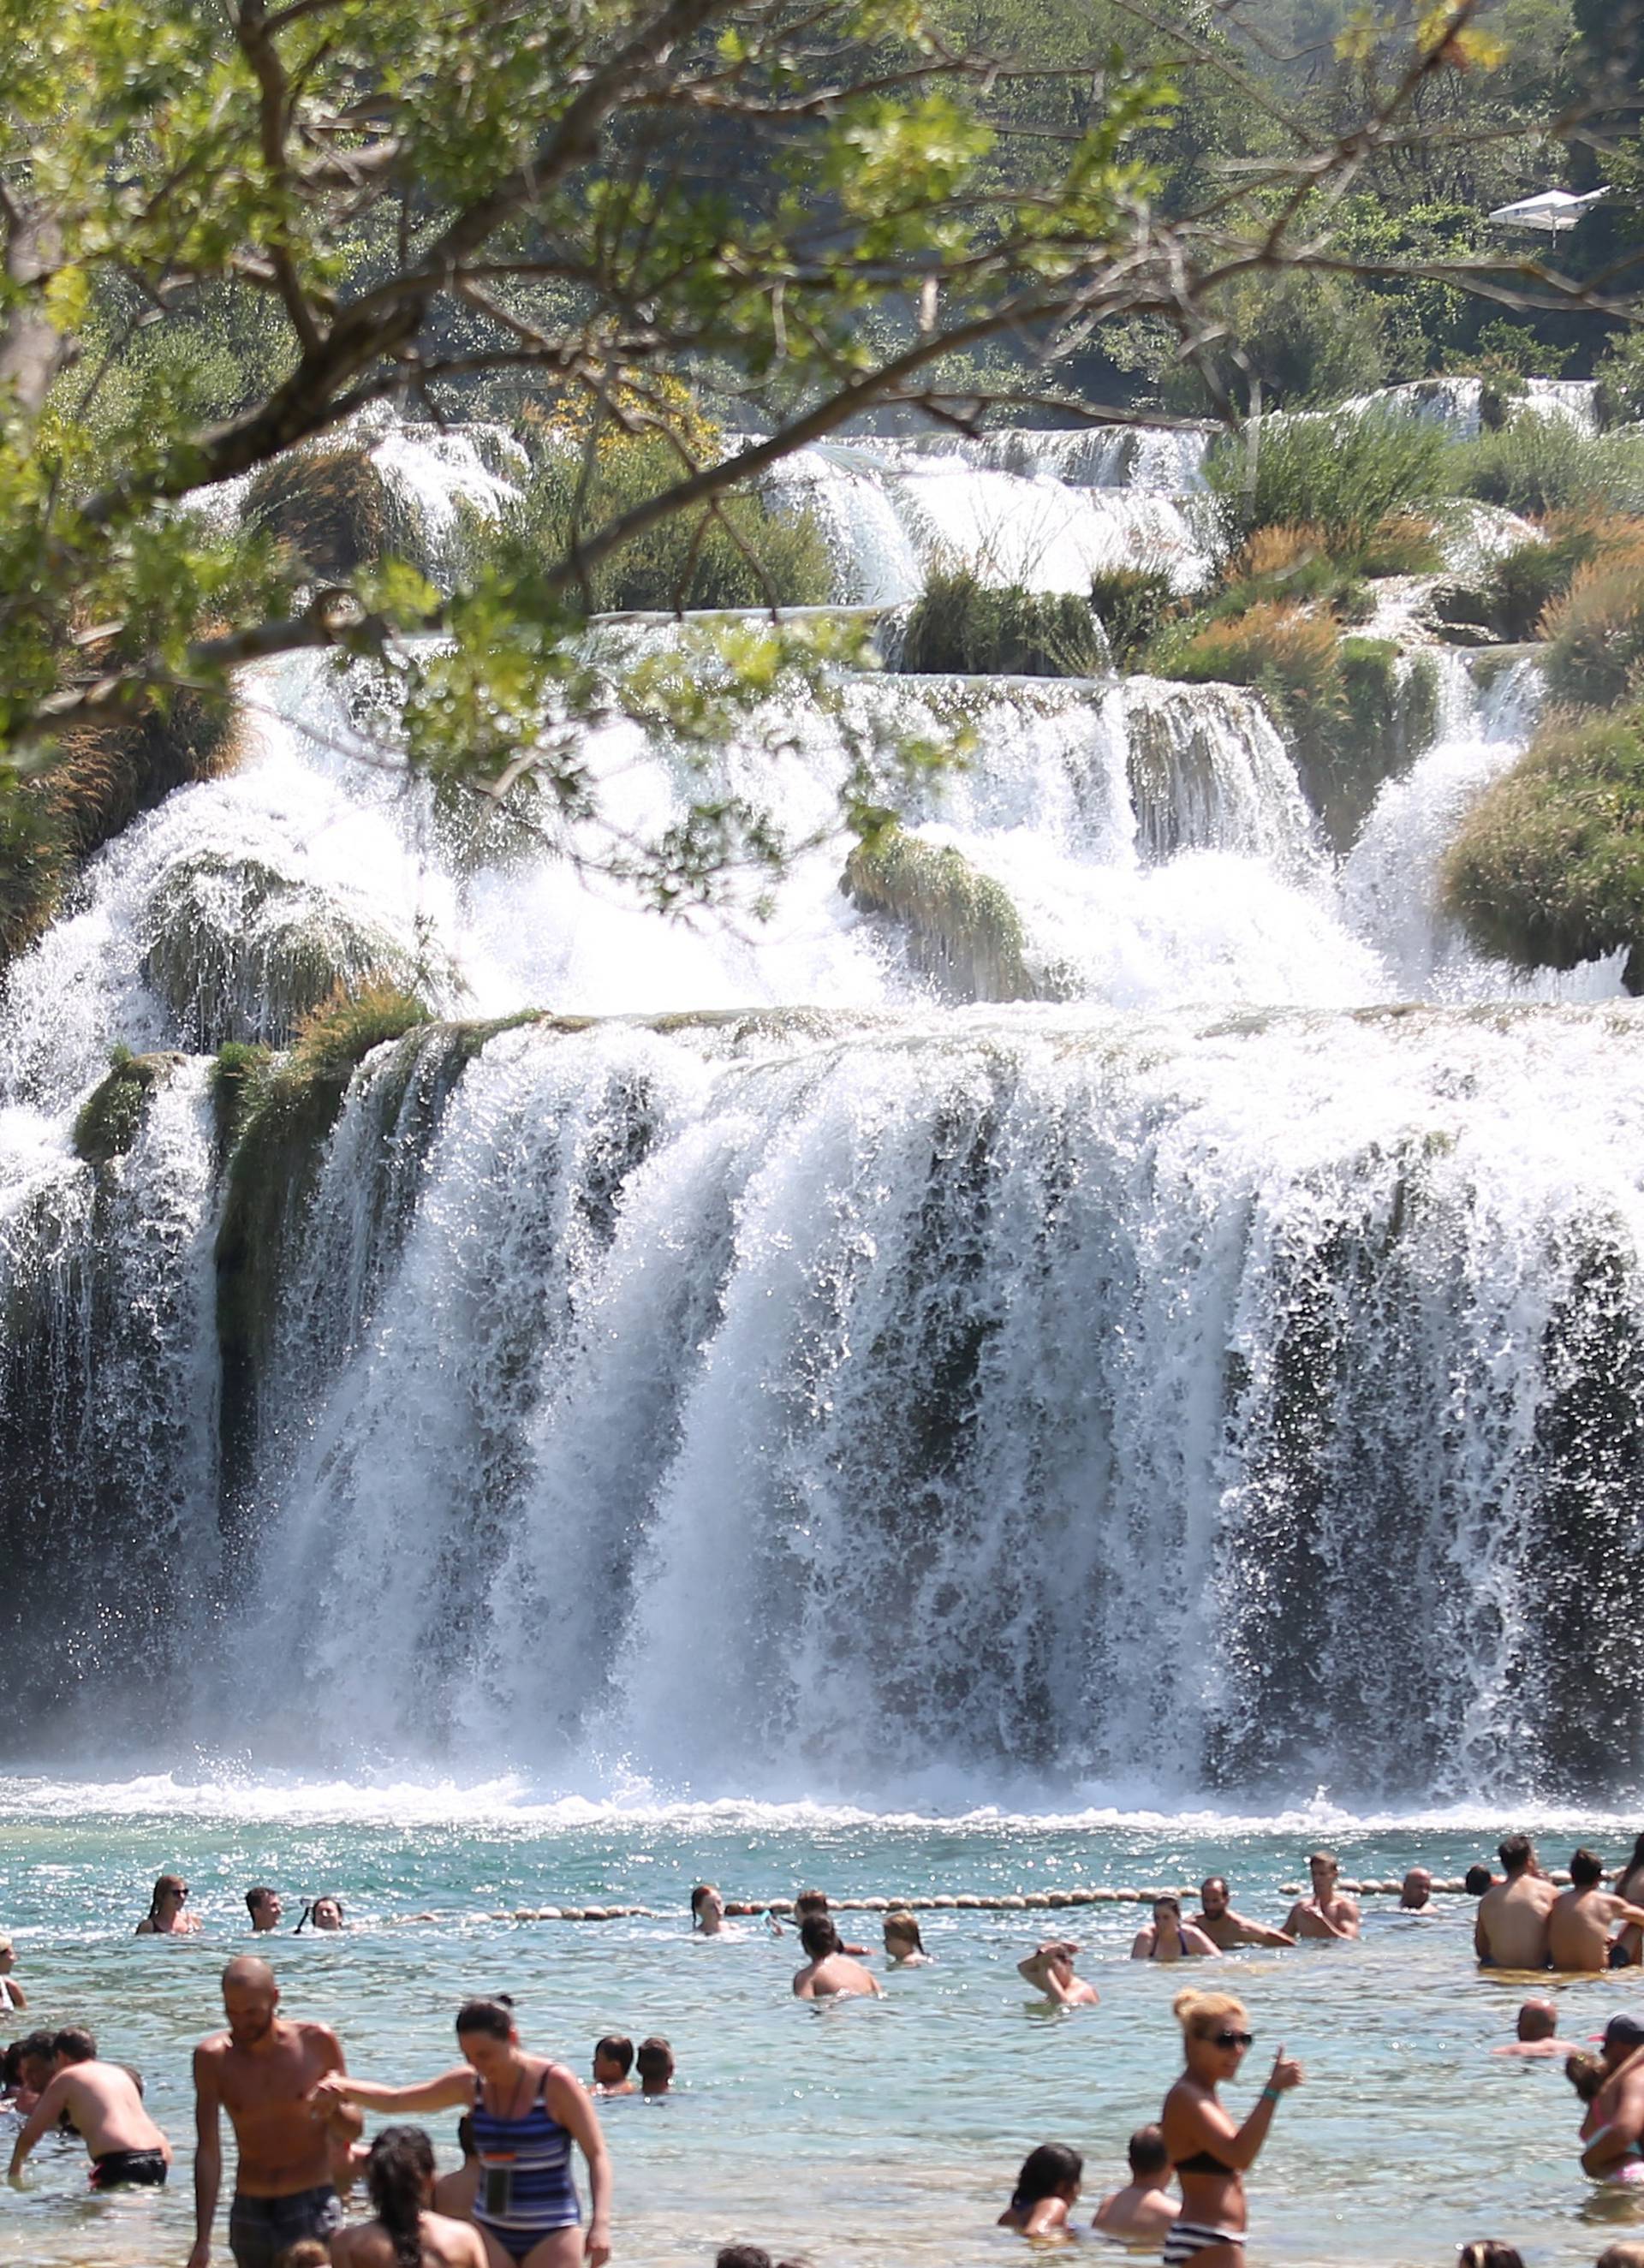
column 1210, row 2153
column 165, row 1917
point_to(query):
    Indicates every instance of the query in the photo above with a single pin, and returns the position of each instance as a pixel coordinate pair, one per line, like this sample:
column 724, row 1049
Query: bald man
column 1537, row 2033
column 262, row 2071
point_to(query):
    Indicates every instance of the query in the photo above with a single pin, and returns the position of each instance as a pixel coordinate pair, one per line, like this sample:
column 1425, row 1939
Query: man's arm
column 1257, row 1933
column 1292, row 1921
column 43, row 2117
column 1351, row 1919
column 1481, row 1935
column 208, row 2154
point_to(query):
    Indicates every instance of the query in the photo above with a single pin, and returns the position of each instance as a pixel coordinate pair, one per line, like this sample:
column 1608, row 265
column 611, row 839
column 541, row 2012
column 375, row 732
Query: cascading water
column 791, row 1379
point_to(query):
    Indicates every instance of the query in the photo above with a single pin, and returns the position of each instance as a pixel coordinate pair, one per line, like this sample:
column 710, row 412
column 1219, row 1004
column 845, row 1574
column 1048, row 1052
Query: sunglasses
column 1232, row 2039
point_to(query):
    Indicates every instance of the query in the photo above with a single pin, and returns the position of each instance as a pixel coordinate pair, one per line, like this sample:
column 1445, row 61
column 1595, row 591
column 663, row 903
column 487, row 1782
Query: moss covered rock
column 111, row 1117
column 239, row 951
column 331, row 505
column 960, row 628
column 962, row 930
column 1547, row 870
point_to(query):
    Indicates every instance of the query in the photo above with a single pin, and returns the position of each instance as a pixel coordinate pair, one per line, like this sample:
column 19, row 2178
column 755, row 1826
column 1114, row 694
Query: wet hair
column 1538, row 2020
column 906, row 1925
column 810, row 1901
column 308, row 2252
column 1477, row 1880
column 1197, row 2012
column 617, row 2048
column 173, row 1885
column 1044, row 2171
column 1147, row 2152
column 698, row 1897
column 742, row 2256
column 1488, row 2255
column 465, row 2135
column 1586, row 1868
column 1323, row 1859
column 36, row 2047
column 397, row 2174
column 494, row 2017
column 1515, row 1852
column 1175, row 1904
column 253, row 1898
column 818, row 1936
column 75, row 2045
column 655, row 2057
column 1586, row 2074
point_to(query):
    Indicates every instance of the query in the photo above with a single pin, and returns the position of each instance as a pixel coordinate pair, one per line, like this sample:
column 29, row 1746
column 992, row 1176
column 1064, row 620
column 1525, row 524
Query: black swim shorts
column 260, row 2229
column 136, row 2169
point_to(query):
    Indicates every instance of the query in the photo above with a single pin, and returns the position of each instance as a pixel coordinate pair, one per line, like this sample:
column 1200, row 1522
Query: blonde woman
column 904, row 1947
column 1210, row 2153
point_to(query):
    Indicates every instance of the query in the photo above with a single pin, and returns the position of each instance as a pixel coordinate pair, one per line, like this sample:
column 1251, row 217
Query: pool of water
column 852, row 2134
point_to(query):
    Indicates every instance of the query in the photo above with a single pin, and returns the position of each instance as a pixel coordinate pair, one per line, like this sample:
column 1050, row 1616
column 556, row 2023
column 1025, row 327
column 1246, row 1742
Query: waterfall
column 704, row 1352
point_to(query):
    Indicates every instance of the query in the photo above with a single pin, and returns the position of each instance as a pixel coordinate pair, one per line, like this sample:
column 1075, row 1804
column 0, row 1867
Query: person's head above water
column 1214, row 2033
column 707, row 1909
column 1150, row 2160
column 1488, row 2255
column 818, row 1936
column 1167, row 1908
column 1517, row 1853
column 654, row 2059
column 810, row 1901
column 613, row 2060
column 1477, row 1880
column 263, row 1905
column 902, row 1935
column 171, row 1893
column 250, row 1998
column 1622, row 2034
column 1538, row 2020
column 74, row 2045
column 1214, row 1896
column 1416, row 1890
column 326, row 1913
column 1587, row 1870
column 400, row 2181
column 1323, row 1865
column 1051, row 2171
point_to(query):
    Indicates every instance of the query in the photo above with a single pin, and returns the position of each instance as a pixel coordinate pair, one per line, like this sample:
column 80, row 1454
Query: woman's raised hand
column 1287, row 2073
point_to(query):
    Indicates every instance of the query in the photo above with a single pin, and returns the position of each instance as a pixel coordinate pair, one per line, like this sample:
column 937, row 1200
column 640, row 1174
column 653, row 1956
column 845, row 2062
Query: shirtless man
column 1327, row 1913
column 1225, row 1928
column 262, row 2070
column 101, row 2102
column 263, row 1905
column 829, row 1972
column 1048, row 1968
column 1143, row 2211
column 1511, row 1931
column 1537, row 2031
column 1415, row 1895
column 1616, row 2115
column 1584, row 1918
column 165, row 1917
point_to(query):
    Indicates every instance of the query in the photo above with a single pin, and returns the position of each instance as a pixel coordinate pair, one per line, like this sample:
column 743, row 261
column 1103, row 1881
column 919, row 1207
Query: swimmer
column 1329, row 1912
column 1581, row 1919
column 264, row 2070
column 165, row 1917
column 11, row 1993
column 528, row 2112
column 1415, row 1892
column 1537, row 2029
column 613, row 2060
column 815, row 1902
column 400, row 2181
column 1048, row 1968
column 263, row 1905
column 904, row 1947
column 1612, row 2132
column 36, row 2059
column 1477, row 1880
column 707, row 1912
column 454, row 2193
column 1210, row 2153
column 1143, row 2211
column 1630, row 1886
column 1628, row 2254
column 1046, row 2191
column 1223, row 1928
column 830, row 1973
column 653, row 2059
column 1511, row 1929
column 101, row 2101
column 1488, row 2255
column 1167, row 1937
column 324, row 1914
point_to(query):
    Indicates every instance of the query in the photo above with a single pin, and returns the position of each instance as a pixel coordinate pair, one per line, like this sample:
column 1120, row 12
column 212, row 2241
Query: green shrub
column 1345, row 476
column 1619, row 371
column 332, row 507
column 963, row 931
column 742, row 554
column 1132, row 604
column 1289, row 656
column 1596, row 632
column 236, row 1076
column 1545, row 464
column 960, row 628
column 1547, row 870
column 111, row 1117
column 1523, row 583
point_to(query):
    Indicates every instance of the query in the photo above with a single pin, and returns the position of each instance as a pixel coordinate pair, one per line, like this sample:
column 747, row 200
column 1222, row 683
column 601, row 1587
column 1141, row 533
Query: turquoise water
column 885, row 2132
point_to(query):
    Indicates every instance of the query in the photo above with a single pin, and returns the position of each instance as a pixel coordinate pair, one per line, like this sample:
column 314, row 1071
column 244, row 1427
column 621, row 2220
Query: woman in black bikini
column 1210, row 2153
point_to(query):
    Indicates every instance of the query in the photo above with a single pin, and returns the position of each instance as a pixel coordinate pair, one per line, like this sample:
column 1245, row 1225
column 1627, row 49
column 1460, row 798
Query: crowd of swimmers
column 298, row 2114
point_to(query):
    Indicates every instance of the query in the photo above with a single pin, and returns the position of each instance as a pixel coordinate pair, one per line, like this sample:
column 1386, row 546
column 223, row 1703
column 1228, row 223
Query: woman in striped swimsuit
column 1210, row 2153
column 527, row 2112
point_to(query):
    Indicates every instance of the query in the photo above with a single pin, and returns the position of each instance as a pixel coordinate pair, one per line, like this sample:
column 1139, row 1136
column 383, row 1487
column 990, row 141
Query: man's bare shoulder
column 212, row 2049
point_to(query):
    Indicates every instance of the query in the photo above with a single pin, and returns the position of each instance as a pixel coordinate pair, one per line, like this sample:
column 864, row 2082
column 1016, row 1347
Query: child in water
column 1047, row 2189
